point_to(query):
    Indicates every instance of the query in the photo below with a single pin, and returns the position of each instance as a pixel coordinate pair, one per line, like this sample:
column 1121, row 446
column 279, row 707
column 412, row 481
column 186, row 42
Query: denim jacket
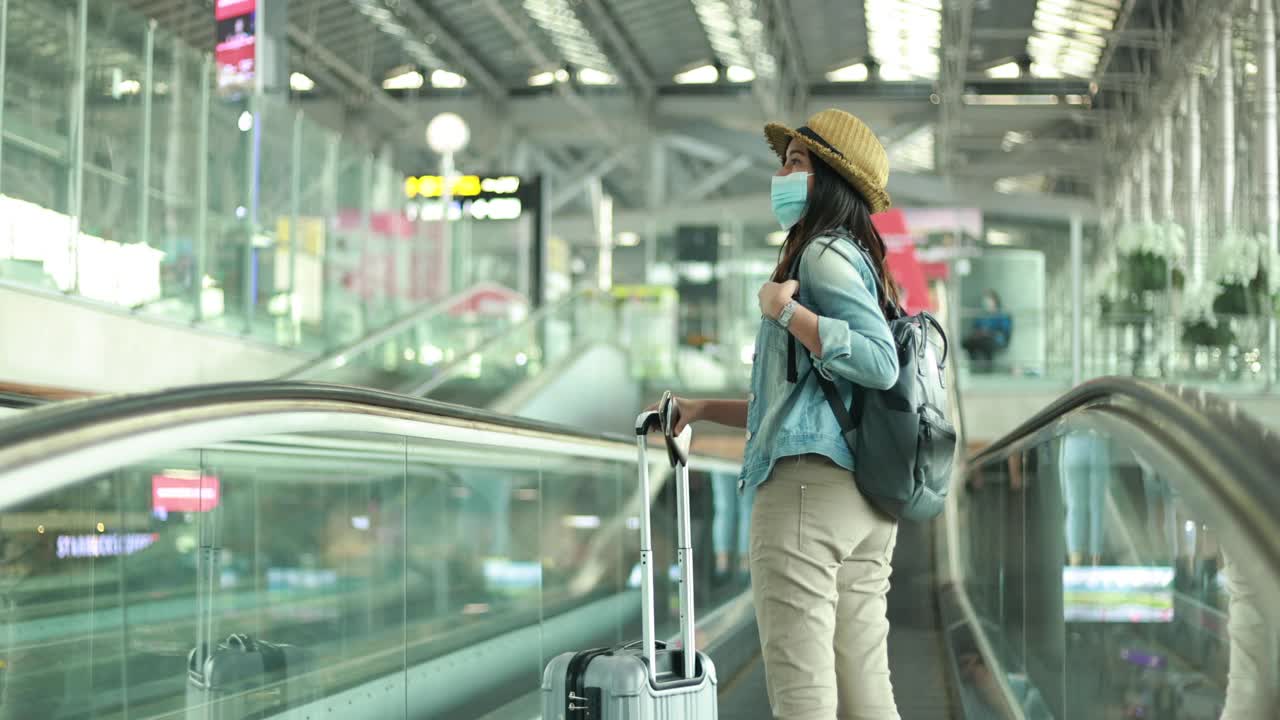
column 786, row 419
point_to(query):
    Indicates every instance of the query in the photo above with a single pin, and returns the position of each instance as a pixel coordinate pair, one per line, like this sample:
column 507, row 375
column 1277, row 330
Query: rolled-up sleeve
column 856, row 344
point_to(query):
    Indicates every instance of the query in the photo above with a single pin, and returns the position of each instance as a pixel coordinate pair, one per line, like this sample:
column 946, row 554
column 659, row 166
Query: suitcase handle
column 665, row 418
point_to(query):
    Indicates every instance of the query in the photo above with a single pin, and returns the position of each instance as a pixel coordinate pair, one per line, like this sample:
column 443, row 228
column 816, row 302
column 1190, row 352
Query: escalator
column 1112, row 557
column 532, row 365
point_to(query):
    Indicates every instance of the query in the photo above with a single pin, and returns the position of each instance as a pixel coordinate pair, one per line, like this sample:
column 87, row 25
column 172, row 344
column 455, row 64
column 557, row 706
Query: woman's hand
column 690, row 411
column 775, row 296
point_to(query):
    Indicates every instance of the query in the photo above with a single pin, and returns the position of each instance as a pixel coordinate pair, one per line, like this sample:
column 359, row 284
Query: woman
column 820, row 552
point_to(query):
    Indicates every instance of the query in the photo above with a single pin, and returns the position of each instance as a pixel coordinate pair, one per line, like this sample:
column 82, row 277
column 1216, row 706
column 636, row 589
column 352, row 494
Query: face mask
column 789, row 195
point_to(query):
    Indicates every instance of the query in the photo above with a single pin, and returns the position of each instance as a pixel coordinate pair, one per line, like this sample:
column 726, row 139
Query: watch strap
column 788, row 312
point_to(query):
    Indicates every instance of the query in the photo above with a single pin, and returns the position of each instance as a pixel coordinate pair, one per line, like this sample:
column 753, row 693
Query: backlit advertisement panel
column 235, row 49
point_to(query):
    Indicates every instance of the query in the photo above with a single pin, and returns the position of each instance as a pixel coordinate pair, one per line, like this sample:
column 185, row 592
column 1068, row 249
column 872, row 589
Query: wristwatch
column 788, row 311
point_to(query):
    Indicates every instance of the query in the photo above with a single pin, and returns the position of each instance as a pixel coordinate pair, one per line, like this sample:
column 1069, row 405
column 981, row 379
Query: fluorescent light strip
column 736, row 35
column 569, row 35
column 1070, row 35
column 904, row 37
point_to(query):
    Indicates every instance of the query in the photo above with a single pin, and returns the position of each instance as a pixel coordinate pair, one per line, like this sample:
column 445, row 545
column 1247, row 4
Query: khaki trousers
column 820, row 565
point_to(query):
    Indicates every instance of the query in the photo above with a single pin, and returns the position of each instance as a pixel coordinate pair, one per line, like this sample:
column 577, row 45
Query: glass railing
column 1227, row 353
column 127, row 179
column 1121, row 555
column 368, row 552
column 540, row 344
column 417, row 348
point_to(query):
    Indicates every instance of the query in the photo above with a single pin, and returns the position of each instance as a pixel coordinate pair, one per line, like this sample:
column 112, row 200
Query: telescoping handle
column 678, row 454
column 665, row 418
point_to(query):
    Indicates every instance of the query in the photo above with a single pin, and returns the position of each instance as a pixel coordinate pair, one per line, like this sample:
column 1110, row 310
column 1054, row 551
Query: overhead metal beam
column 578, row 179
column 1109, row 52
column 714, row 181
column 425, row 19
column 540, row 59
column 957, row 21
column 625, row 55
column 795, row 92
column 350, row 75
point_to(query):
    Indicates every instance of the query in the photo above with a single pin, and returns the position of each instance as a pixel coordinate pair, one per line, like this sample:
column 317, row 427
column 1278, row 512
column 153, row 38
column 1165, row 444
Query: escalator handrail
column 331, row 359
column 68, row 417
column 451, row 370
column 1234, row 455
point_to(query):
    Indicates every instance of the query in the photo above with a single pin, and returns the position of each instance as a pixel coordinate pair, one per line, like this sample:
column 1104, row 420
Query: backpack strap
column 793, row 273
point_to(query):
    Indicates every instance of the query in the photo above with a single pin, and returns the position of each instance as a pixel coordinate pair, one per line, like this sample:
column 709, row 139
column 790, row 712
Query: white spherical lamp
column 447, row 133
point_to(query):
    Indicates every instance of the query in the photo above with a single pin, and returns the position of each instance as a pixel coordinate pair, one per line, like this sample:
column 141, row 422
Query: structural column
column 1166, row 176
column 1144, row 182
column 1228, row 103
column 1194, row 211
column 1270, row 159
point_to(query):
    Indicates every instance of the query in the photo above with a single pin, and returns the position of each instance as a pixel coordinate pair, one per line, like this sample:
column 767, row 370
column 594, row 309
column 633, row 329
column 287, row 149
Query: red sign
column 233, row 8
column 487, row 300
column 908, row 274
column 184, row 494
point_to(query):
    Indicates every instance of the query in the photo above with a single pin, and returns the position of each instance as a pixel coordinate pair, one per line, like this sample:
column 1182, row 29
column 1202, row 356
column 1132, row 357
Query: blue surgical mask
column 789, row 195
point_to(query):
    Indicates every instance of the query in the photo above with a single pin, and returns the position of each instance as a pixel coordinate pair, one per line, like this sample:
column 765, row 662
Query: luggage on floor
column 247, row 678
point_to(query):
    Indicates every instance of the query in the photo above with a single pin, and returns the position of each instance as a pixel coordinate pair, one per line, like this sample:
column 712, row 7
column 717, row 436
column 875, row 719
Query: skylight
column 904, row 36
column 1070, row 36
column 736, row 35
column 558, row 20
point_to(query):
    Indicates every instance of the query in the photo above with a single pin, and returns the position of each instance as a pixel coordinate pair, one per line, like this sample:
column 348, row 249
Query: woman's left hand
column 775, row 296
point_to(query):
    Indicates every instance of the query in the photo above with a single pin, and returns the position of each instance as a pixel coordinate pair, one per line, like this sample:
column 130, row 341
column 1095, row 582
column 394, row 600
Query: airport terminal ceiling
column 1026, row 98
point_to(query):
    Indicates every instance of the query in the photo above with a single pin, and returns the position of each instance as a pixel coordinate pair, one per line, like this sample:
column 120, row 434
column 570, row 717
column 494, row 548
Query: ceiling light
column 1007, row 71
column 245, row 123
column 446, row 79
column 409, row 80
column 701, row 75
column 128, row 87
column 856, row 72
column 591, row 76
column 739, row 74
column 999, row 237
column 301, row 83
column 562, row 75
column 776, row 238
column 542, row 79
column 628, row 239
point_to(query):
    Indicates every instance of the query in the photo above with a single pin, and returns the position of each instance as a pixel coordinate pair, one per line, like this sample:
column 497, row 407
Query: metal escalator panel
column 249, row 550
column 418, row 347
column 1121, row 556
column 544, row 342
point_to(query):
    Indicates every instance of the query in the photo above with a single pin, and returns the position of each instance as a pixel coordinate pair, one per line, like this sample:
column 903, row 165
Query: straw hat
column 846, row 144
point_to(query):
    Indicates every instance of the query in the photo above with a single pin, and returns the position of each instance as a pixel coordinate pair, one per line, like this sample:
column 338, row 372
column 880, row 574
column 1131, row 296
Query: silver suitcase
column 644, row 680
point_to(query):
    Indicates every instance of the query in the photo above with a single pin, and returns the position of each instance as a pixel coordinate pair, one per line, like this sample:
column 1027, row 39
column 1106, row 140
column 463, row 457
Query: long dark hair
column 834, row 205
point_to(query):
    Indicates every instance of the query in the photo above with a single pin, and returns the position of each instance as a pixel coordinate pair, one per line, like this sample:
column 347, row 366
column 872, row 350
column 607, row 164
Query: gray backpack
column 901, row 438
